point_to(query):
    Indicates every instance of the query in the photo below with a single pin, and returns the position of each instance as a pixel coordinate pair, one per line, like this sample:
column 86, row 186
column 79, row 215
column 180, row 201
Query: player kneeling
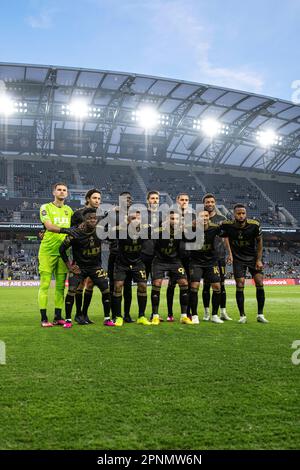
column 86, row 249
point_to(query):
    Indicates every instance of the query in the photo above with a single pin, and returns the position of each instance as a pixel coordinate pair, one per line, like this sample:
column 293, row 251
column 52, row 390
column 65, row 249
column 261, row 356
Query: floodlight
column 210, row 127
column 268, row 138
column 78, row 108
column 6, row 105
column 146, row 117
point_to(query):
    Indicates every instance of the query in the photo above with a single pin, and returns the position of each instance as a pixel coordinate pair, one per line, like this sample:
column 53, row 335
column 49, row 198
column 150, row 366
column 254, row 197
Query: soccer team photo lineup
column 146, row 243
column 149, row 233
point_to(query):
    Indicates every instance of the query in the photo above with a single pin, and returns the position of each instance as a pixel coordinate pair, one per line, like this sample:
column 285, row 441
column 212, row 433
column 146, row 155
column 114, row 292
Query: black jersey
column 77, row 217
column 167, row 250
column 86, row 249
column 154, row 222
column 129, row 251
column 243, row 240
column 219, row 244
column 207, row 254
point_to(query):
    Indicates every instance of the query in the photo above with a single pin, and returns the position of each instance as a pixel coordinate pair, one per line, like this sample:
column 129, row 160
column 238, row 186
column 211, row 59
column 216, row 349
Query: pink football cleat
column 46, row 324
column 108, row 323
column 170, row 319
column 59, row 322
column 68, row 324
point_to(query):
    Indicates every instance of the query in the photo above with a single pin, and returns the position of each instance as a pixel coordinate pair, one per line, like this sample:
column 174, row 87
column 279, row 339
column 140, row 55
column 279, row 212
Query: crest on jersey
column 44, row 212
column 92, row 242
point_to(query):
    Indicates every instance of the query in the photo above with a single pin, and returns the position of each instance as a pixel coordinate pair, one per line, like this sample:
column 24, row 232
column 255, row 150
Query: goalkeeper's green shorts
column 52, row 264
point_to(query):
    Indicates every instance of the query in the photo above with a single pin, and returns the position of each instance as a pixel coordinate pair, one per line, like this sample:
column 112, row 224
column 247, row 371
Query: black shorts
column 210, row 274
column 240, row 269
column 147, row 260
column 222, row 269
column 186, row 264
column 174, row 270
column 135, row 271
column 98, row 275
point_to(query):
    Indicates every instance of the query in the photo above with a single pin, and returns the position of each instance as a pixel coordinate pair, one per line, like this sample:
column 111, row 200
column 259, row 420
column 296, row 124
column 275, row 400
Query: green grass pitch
column 172, row 386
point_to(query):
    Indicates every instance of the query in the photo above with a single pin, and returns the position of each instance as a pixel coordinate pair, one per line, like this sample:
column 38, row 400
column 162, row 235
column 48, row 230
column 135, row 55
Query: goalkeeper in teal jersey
column 56, row 216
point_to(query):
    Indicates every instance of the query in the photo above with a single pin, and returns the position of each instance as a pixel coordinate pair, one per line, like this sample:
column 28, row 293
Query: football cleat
column 67, row 324
column 143, row 321
column 155, row 320
column 262, row 319
column 216, row 319
column 46, row 324
column 206, row 316
column 118, row 322
column 88, row 321
column 170, row 319
column 58, row 322
column 78, row 318
column 186, row 321
column 243, row 319
column 128, row 319
column 225, row 317
column 195, row 319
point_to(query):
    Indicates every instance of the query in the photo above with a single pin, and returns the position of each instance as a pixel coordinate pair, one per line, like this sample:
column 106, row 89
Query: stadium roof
column 43, row 94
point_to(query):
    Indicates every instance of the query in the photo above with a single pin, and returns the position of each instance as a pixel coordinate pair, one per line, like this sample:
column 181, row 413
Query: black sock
column 240, row 300
column 43, row 314
column 69, row 302
column 142, row 302
column 206, row 295
column 216, row 299
column 260, row 297
column 127, row 293
column 78, row 298
column 57, row 313
column 116, row 305
column 87, row 297
column 188, row 308
column 155, row 298
column 170, row 299
column 184, row 299
column 106, row 303
column 194, row 300
column 223, row 296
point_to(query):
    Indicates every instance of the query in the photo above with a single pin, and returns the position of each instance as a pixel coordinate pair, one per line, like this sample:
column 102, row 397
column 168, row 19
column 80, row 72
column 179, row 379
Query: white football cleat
column 262, row 319
column 195, row 319
column 216, row 319
column 225, row 317
column 243, row 319
column 206, row 316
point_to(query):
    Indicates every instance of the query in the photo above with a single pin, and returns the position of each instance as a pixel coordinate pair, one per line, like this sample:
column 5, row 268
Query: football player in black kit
column 92, row 199
column 182, row 202
column 245, row 238
column 204, row 265
column 86, row 251
column 167, row 259
column 154, row 221
column 113, row 253
column 129, row 263
column 209, row 202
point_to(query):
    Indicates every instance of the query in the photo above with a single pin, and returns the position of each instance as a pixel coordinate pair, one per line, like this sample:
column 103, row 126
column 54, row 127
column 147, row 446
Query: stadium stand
column 111, row 180
column 33, row 178
column 284, row 194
